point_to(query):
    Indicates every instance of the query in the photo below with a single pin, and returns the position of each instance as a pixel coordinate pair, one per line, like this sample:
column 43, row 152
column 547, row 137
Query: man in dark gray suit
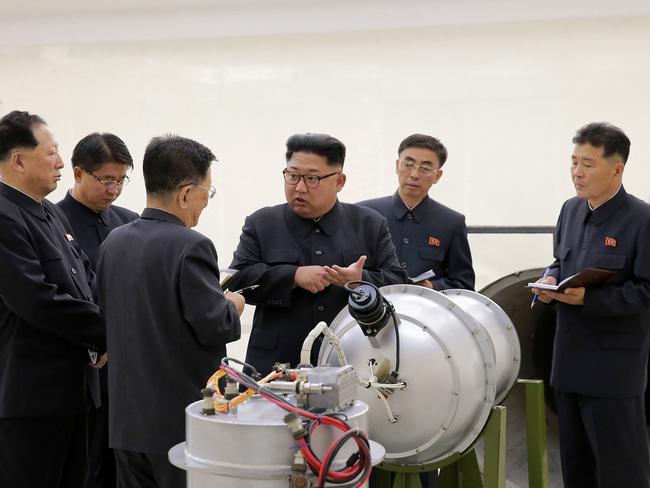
column 428, row 236
column 48, row 320
column 99, row 164
column 301, row 253
column 168, row 320
column 601, row 343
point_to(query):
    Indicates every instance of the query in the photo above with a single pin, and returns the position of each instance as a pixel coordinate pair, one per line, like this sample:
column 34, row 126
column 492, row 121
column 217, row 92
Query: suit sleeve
column 25, row 291
column 275, row 280
column 387, row 270
column 633, row 296
column 554, row 268
column 213, row 318
column 460, row 273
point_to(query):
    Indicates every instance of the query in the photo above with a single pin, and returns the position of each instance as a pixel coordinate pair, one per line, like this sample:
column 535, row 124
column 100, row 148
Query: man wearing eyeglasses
column 429, row 237
column 99, row 163
column 301, row 253
column 167, row 319
column 48, row 321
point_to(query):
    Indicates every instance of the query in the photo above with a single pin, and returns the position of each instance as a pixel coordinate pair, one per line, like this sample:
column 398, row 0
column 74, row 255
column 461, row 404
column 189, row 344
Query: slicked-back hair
column 425, row 142
column 97, row 149
column 321, row 144
column 603, row 134
column 17, row 130
column 171, row 161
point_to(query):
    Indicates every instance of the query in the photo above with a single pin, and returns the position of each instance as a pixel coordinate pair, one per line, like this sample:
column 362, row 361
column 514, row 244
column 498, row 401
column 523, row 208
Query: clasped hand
column 317, row 278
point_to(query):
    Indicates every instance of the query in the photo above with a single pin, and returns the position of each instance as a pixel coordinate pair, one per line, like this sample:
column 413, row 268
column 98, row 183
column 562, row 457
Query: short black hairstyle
column 425, row 142
column 322, row 144
column 603, row 134
column 17, row 130
column 97, row 149
column 171, row 161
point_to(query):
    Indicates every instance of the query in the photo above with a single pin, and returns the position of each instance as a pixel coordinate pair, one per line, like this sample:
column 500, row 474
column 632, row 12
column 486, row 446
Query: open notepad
column 224, row 276
column 427, row 275
column 587, row 277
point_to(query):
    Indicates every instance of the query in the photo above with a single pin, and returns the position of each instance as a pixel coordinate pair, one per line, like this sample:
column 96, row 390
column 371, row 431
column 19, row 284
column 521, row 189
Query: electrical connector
column 208, row 404
column 295, row 425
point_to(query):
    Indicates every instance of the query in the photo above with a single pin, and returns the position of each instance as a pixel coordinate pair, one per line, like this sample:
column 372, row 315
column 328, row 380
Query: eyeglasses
column 109, row 181
column 424, row 168
column 212, row 191
column 312, row 181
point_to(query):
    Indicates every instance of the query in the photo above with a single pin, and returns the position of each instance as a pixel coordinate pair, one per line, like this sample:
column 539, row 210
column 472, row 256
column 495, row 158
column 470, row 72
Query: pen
column 246, row 288
column 546, row 272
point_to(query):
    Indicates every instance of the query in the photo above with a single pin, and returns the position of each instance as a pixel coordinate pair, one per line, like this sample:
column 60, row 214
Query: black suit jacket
column 429, row 237
column 601, row 347
column 47, row 317
column 167, row 323
column 90, row 228
column 275, row 242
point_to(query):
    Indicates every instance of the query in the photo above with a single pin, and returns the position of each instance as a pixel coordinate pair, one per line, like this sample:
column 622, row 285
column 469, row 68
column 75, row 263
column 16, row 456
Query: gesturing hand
column 336, row 275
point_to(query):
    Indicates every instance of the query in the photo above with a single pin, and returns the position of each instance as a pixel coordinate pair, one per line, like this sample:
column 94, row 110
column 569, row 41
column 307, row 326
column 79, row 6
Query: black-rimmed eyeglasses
column 109, row 181
column 312, row 181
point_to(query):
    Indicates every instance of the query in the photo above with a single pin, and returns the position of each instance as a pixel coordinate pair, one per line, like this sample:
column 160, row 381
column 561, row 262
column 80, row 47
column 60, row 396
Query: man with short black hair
column 168, row 321
column 301, row 253
column 99, row 163
column 428, row 236
column 601, row 345
column 48, row 321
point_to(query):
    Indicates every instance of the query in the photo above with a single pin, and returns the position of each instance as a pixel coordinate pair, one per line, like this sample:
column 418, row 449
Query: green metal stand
column 462, row 471
column 536, row 433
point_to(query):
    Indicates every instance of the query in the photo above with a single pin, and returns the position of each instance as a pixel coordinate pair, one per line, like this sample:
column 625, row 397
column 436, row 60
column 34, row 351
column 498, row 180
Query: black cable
column 226, row 362
column 327, row 463
column 348, row 287
column 397, row 348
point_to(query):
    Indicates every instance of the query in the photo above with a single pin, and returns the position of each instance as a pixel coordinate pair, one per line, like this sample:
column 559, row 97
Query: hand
column 311, row 278
column 543, row 295
column 425, row 283
column 570, row 296
column 336, row 275
column 101, row 361
column 238, row 299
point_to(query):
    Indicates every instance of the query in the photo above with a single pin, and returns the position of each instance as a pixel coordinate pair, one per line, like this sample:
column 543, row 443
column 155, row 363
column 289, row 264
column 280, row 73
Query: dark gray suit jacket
column 47, row 318
column 601, row 347
column 167, row 324
column 275, row 242
column 429, row 237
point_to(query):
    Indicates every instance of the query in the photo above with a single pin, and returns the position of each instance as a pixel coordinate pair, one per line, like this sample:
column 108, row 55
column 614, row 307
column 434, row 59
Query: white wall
column 505, row 99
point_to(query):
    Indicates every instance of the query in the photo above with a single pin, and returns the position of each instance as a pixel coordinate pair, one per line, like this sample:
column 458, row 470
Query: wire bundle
column 358, row 466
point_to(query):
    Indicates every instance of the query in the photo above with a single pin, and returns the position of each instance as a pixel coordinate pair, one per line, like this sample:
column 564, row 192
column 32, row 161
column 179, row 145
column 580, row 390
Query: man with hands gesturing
column 302, row 252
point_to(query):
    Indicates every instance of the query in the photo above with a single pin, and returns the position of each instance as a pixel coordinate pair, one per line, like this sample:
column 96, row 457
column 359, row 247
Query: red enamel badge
column 610, row 241
column 434, row 241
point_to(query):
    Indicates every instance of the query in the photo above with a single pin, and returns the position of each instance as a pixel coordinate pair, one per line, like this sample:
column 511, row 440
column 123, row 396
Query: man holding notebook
column 601, row 343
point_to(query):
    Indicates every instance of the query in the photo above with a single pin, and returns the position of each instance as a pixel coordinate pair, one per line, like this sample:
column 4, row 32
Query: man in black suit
column 100, row 163
column 48, row 321
column 428, row 236
column 301, row 253
column 167, row 319
column 601, row 343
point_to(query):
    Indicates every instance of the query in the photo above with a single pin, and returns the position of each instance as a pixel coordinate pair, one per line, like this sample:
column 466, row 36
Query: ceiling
column 45, row 21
